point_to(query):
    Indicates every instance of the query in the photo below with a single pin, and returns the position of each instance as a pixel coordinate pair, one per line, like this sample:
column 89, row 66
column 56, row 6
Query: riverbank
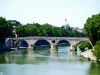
column 89, row 55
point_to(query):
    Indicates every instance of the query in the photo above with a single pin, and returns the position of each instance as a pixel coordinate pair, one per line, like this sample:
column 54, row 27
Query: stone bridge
column 53, row 41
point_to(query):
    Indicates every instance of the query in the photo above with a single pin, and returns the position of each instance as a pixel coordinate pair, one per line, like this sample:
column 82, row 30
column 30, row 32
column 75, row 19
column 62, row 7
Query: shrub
column 96, row 50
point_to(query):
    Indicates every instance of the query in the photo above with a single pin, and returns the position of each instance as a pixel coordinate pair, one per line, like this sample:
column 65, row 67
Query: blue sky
column 50, row 11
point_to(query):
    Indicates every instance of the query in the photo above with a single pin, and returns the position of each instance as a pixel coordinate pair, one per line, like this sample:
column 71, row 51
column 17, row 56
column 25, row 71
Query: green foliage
column 96, row 50
column 92, row 27
column 36, row 29
column 5, row 29
column 84, row 45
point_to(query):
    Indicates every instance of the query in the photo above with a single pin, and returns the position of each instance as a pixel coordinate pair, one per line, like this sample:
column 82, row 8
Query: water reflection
column 94, row 69
column 73, row 53
column 61, row 62
column 38, row 56
column 53, row 52
column 31, row 52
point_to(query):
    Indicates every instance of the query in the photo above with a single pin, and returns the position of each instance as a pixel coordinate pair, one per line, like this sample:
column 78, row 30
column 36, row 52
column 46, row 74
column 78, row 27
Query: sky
column 53, row 12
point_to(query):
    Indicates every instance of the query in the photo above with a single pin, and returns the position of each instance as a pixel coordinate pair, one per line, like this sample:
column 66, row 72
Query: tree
column 92, row 27
column 5, row 29
column 96, row 50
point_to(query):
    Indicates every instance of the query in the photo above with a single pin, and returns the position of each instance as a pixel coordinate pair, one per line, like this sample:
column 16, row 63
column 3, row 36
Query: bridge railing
column 46, row 37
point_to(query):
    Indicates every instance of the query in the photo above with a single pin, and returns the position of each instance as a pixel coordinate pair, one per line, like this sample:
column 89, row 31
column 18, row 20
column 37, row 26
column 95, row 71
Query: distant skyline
column 53, row 12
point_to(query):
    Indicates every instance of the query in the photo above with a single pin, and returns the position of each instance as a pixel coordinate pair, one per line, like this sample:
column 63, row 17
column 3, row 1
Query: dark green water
column 46, row 62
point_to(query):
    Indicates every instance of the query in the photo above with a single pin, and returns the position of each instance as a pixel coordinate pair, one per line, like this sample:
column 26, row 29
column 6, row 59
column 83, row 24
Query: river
column 46, row 62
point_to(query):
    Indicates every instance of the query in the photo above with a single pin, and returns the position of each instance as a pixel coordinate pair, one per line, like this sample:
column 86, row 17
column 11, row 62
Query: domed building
column 65, row 24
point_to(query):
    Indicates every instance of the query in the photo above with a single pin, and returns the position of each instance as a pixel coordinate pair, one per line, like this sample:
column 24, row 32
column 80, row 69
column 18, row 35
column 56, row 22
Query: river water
column 46, row 62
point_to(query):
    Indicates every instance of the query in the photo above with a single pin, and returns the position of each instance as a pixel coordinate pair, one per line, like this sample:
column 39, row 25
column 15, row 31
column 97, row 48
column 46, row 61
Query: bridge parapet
column 35, row 37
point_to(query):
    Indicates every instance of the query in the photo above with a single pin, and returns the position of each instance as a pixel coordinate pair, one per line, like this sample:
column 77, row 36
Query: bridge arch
column 22, row 40
column 40, row 42
column 83, row 41
column 54, row 46
column 63, row 41
column 9, row 43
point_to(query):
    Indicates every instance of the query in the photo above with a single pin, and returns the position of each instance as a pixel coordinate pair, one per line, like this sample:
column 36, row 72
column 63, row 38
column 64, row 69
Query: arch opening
column 21, row 44
column 41, row 44
column 84, row 45
column 9, row 43
column 63, row 43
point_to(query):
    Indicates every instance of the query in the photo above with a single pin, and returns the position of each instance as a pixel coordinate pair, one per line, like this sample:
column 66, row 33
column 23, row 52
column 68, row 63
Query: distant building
column 74, row 28
column 79, row 30
column 65, row 24
column 14, row 22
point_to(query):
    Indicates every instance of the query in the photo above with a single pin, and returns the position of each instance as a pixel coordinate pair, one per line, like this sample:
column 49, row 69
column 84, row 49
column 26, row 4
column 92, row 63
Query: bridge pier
column 73, row 48
column 53, row 47
column 31, row 47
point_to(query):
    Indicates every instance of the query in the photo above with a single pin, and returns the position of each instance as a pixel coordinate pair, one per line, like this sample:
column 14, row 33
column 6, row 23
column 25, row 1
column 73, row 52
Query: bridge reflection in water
column 38, row 56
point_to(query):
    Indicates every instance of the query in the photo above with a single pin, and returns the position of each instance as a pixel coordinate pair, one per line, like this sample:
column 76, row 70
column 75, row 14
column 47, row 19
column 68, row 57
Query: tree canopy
column 92, row 27
column 36, row 29
column 5, row 29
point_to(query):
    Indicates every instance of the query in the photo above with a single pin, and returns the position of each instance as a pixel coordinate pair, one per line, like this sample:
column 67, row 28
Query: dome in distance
column 65, row 24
